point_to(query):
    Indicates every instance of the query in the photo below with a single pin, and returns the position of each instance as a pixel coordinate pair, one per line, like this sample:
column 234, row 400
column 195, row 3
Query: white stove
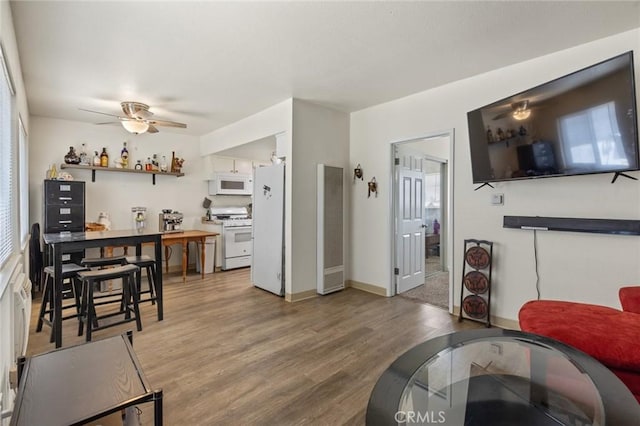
column 236, row 235
column 232, row 221
column 230, row 216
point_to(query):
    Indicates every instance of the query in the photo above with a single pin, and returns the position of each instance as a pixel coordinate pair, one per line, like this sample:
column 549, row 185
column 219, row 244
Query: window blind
column 23, row 154
column 8, row 193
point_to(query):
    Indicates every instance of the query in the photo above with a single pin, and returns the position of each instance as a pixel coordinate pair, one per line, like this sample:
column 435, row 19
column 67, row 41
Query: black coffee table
column 499, row 377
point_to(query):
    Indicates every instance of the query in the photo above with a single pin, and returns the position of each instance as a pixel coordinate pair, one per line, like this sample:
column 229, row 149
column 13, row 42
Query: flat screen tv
column 582, row 123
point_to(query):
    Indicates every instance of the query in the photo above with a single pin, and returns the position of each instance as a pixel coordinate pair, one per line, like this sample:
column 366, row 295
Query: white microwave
column 231, row 184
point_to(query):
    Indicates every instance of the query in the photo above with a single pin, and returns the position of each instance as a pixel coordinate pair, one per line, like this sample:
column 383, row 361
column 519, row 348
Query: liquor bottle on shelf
column 163, row 164
column 84, row 158
column 104, row 158
column 138, row 165
column 147, row 165
column 124, row 156
column 96, row 158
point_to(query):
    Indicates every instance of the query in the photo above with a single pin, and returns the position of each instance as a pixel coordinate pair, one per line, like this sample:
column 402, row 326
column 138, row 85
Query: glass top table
column 499, row 377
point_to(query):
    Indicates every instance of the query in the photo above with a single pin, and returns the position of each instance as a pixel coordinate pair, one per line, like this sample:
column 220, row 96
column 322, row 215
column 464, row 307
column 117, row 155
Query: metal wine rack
column 475, row 292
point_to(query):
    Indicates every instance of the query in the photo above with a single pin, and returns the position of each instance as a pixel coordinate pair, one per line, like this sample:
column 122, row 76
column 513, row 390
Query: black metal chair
column 129, row 304
column 36, row 263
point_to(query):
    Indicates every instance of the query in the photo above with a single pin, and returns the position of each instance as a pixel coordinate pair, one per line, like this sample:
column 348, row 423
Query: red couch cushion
column 609, row 335
column 630, row 299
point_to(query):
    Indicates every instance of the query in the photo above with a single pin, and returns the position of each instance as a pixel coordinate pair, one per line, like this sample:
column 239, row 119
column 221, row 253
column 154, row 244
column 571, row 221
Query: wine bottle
column 104, row 158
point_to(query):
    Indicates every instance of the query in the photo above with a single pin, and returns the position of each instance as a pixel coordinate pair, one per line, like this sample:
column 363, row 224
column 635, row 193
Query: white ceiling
column 209, row 64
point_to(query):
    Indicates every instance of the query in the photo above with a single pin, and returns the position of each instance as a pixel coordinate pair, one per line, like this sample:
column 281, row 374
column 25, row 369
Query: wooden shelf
column 517, row 138
column 115, row 169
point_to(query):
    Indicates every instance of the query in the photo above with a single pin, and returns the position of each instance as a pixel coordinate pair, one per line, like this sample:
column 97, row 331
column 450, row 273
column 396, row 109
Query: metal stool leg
column 136, row 299
column 46, row 300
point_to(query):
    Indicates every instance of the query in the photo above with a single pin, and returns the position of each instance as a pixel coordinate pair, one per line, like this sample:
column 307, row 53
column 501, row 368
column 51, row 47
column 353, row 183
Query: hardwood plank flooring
column 228, row 353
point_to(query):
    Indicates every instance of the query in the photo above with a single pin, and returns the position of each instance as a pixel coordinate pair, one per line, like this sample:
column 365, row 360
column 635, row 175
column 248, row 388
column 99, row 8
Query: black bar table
column 64, row 242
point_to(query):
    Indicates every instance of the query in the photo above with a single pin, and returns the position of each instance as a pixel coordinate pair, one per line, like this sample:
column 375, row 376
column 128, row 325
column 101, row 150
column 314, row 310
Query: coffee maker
column 139, row 217
column 170, row 221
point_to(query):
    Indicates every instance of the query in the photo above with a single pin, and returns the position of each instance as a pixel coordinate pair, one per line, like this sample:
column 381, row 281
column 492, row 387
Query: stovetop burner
column 230, row 216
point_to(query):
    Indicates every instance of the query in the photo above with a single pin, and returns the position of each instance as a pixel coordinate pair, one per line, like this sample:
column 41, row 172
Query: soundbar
column 572, row 224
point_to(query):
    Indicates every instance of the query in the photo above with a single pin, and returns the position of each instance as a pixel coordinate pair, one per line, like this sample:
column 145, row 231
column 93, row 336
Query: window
column 592, row 137
column 23, row 156
column 8, row 154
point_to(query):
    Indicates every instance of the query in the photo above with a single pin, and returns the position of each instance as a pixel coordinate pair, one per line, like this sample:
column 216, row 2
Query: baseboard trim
column 369, row 288
column 303, row 295
column 497, row 321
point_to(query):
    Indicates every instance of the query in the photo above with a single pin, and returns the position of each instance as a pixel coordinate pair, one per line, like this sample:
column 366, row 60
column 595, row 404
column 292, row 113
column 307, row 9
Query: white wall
column 116, row 193
column 320, row 136
column 10, row 49
column 268, row 122
column 573, row 266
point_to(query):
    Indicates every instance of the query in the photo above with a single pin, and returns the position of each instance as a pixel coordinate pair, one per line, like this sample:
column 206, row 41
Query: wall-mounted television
column 581, row 123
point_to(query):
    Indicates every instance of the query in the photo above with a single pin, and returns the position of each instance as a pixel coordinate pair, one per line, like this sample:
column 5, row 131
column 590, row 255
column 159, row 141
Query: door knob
column 424, row 226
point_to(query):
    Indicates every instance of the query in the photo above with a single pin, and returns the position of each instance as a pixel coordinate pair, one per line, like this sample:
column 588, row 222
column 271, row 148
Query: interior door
column 410, row 244
column 268, row 229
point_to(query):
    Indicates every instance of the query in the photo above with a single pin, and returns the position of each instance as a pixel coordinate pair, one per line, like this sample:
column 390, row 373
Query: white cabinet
column 222, row 164
column 231, row 165
column 244, row 166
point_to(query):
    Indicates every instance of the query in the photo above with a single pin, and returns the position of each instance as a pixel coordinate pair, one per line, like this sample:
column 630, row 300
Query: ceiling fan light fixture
column 135, row 127
column 521, row 114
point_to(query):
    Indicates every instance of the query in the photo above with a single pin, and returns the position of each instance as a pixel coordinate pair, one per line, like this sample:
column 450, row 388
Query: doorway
column 435, row 170
column 427, row 217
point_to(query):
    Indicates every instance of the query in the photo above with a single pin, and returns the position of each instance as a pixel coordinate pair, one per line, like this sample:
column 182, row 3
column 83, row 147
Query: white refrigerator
column 267, row 261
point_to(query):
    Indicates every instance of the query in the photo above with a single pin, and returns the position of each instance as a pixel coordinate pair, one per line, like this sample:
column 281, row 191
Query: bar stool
column 69, row 272
column 129, row 304
column 101, row 262
column 149, row 264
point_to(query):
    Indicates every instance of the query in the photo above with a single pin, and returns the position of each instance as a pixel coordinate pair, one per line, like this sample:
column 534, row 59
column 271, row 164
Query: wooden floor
column 228, row 353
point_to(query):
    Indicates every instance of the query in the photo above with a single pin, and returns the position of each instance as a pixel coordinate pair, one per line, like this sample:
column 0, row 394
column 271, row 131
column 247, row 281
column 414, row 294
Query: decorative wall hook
column 357, row 173
column 373, row 187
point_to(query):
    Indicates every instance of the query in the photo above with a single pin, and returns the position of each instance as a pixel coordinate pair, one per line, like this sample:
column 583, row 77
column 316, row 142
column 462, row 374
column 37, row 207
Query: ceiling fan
column 138, row 119
column 519, row 110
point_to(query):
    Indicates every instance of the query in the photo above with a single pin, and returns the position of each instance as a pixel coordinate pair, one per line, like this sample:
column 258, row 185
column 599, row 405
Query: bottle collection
column 501, row 135
column 155, row 163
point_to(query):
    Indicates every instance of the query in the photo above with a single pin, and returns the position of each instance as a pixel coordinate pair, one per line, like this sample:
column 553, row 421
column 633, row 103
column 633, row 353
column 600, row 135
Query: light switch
column 497, row 199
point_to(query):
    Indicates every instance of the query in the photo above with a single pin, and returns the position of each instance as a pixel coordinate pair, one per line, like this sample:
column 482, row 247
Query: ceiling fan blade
column 107, row 122
column 167, row 123
column 152, row 129
column 103, row 113
column 136, row 110
column 501, row 115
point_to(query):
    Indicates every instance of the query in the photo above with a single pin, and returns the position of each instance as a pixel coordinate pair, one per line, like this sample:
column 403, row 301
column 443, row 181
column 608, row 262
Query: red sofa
column 609, row 335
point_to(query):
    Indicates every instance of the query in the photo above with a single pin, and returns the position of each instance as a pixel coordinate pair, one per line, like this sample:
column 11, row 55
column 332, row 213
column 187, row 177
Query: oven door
column 237, row 241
